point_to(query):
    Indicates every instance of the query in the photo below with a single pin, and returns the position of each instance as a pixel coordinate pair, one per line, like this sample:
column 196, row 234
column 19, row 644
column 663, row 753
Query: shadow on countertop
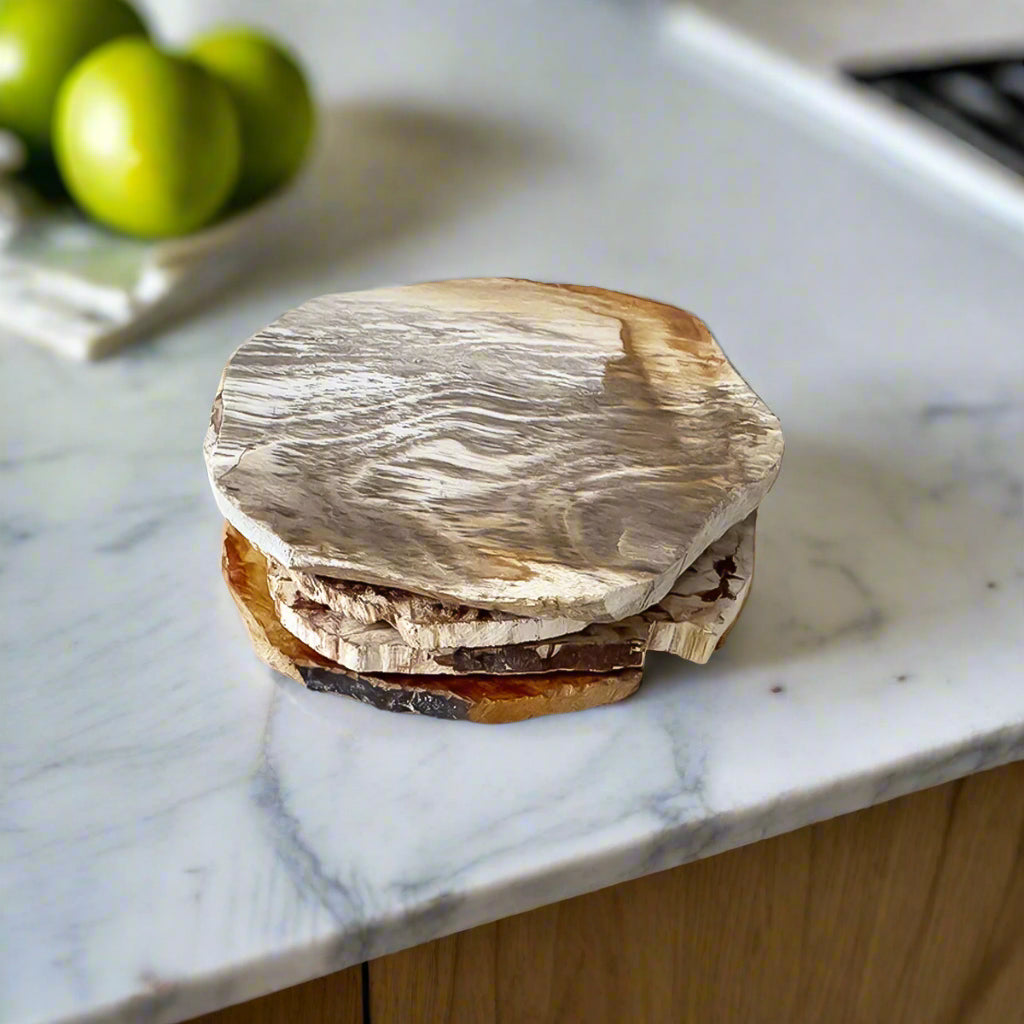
column 381, row 171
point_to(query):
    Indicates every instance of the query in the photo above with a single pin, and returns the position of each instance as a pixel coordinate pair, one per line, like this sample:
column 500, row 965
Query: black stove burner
column 980, row 101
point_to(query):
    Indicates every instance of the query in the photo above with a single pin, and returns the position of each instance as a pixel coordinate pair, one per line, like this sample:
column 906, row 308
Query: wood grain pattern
column 689, row 621
column 911, row 912
column 487, row 699
column 245, row 572
column 545, row 450
column 694, row 617
column 491, row 699
column 336, row 999
column 381, row 648
column 423, row 622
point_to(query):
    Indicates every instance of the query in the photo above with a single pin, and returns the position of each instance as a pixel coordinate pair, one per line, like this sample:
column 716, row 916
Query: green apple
column 40, row 42
column 272, row 98
column 147, row 143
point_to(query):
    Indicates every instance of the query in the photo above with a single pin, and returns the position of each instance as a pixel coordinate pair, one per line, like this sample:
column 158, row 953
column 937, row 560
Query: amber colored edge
column 487, row 699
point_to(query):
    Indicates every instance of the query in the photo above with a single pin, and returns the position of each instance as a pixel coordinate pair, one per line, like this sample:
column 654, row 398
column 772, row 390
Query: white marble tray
column 83, row 291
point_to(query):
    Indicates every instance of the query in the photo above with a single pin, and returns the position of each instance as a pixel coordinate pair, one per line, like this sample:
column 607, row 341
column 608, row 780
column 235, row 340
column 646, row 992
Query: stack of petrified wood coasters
column 486, row 499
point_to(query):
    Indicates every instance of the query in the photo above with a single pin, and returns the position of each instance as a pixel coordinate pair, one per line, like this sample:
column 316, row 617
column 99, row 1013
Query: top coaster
column 545, row 450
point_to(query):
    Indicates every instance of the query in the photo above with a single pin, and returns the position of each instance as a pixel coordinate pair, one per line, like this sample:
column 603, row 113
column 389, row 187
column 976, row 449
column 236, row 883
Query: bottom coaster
column 478, row 698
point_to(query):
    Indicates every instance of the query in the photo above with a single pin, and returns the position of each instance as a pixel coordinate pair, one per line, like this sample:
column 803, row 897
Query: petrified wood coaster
column 690, row 621
column 479, row 698
column 421, row 621
column 695, row 617
column 493, row 700
column 380, row 647
column 551, row 451
column 245, row 572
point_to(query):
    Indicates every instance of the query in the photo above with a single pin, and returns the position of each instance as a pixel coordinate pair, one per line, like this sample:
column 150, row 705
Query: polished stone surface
column 541, row 449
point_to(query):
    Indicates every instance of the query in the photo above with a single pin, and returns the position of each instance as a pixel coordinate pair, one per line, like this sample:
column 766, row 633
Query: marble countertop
column 180, row 830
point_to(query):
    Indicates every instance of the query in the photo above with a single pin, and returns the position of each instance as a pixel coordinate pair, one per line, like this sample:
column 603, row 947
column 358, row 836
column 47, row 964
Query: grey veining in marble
column 546, row 450
column 179, row 830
